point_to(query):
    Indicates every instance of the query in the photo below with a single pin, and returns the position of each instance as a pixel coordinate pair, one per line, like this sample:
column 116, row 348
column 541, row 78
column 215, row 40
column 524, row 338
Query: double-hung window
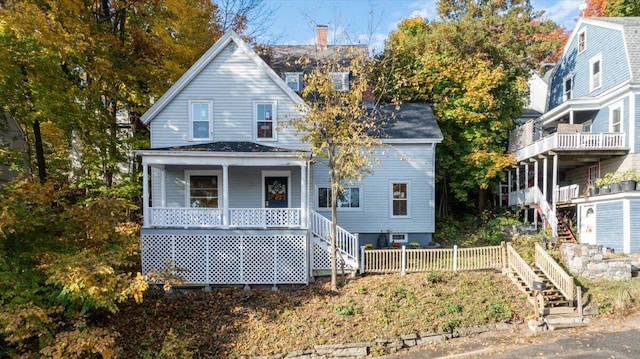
column 340, row 81
column 595, row 72
column 567, row 87
column 348, row 199
column 200, row 120
column 615, row 118
column 294, row 80
column 265, row 119
column 203, row 189
column 582, row 40
column 399, row 197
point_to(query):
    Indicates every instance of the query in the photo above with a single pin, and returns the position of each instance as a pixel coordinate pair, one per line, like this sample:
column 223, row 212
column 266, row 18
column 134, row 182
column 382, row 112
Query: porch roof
column 228, row 147
column 225, row 153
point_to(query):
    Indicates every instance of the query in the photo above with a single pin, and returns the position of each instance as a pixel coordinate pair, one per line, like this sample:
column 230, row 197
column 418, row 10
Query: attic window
column 294, row 80
column 582, row 40
column 200, row 114
column 265, row 119
column 340, row 81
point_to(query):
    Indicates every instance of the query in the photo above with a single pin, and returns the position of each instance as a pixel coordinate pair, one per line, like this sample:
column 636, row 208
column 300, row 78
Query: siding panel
column 634, row 205
column 609, row 225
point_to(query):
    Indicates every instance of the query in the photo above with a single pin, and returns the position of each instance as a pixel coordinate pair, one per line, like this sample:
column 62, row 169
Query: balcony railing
column 185, row 217
column 573, row 141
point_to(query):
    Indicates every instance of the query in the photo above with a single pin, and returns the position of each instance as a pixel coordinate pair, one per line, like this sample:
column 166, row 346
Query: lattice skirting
column 321, row 258
column 229, row 259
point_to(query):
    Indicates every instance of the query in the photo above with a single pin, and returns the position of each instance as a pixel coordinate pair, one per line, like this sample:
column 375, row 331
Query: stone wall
column 589, row 261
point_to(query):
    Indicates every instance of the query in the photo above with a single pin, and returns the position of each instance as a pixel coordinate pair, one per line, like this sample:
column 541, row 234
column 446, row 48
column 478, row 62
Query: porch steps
column 565, row 234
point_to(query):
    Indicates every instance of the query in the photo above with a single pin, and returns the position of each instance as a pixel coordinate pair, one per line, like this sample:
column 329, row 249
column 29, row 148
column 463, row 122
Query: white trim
column 204, row 61
column 209, row 104
column 626, row 226
column 187, row 184
column 592, row 61
column 274, row 119
column 407, row 197
column 316, row 199
column 270, row 173
column 620, row 107
column 632, row 123
column 582, row 31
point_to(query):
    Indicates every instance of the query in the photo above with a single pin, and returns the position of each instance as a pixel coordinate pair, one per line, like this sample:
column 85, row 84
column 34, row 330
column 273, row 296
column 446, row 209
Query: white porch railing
column 186, row 217
column 518, row 265
column 346, row 242
column 533, row 195
column 265, row 217
column 567, row 193
column 573, row 141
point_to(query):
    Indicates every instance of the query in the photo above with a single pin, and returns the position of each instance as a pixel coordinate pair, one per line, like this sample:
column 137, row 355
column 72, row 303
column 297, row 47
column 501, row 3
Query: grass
column 230, row 322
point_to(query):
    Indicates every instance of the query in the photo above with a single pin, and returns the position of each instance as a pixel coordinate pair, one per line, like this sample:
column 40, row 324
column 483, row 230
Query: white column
column 225, row 195
column 571, row 117
column 163, row 188
column 526, row 176
column 545, row 168
column 535, row 184
column 145, row 193
column 518, row 178
column 554, row 194
column 304, row 193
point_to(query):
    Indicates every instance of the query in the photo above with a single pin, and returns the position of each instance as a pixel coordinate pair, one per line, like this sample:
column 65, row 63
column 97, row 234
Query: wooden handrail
column 521, row 267
column 561, row 279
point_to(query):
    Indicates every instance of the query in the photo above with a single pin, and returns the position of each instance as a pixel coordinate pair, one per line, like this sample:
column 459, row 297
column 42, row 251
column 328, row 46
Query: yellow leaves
column 82, row 341
column 23, row 321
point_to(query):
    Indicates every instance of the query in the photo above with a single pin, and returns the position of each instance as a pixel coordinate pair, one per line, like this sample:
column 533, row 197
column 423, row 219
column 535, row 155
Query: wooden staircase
column 559, row 302
column 565, row 233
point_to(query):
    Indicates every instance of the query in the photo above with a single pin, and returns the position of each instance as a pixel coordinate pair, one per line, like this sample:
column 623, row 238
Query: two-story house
column 590, row 128
column 233, row 197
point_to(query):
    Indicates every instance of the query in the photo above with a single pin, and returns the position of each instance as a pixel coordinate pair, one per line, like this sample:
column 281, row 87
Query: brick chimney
column 321, row 41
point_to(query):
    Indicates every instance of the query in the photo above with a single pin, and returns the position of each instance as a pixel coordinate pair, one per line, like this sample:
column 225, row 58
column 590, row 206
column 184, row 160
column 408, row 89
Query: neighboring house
column 590, row 128
column 11, row 139
column 235, row 198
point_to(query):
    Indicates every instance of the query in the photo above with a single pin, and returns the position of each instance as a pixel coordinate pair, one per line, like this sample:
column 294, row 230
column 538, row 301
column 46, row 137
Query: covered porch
column 225, row 186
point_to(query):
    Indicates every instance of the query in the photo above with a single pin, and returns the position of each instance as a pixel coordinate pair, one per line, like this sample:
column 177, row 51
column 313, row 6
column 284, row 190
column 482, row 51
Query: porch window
column 582, row 40
column 265, row 119
column 200, row 115
column 615, row 119
column 350, row 198
column 203, row 189
column 595, row 72
column 400, row 199
column 586, row 127
column 593, row 172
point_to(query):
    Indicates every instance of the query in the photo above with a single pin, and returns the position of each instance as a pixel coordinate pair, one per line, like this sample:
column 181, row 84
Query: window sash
column 595, row 73
column 400, row 199
column 203, row 191
column 265, row 118
column 582, row 41
column 349, row 199
column 616, row 120
column 200, row 120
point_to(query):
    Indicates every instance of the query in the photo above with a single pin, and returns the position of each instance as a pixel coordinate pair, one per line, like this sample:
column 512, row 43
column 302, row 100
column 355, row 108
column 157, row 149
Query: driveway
column 604, row 338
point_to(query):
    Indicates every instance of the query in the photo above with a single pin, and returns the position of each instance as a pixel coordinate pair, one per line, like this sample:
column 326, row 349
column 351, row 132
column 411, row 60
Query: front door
column 276, row 195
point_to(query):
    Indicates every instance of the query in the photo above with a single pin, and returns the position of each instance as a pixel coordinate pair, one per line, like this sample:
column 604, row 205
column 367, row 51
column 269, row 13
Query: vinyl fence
column 403, row 260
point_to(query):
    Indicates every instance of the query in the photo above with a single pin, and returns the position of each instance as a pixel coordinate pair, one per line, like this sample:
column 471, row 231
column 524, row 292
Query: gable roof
column 202, row 63
column 411, row 122
column 630, row 28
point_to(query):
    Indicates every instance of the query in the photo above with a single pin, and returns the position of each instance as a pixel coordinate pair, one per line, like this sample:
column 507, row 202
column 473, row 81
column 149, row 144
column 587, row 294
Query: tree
column 472, row 67
column 622, row 8
column 339, row 128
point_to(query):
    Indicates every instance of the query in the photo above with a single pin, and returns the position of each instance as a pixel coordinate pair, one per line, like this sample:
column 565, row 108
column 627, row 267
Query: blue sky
column 371, row 21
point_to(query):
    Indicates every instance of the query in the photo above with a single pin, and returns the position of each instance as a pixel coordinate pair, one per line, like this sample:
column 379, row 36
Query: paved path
column 604, row 338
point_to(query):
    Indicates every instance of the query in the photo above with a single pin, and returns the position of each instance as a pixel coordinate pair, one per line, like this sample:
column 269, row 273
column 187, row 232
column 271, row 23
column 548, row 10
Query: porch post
column 535, row 184
column 555, row 186
column 163, row 190
column 571, row 117
column 303, row 195
column 518, row 178
column 526, row 187
column 145, row 192
column 545, row 168
column 225, row 195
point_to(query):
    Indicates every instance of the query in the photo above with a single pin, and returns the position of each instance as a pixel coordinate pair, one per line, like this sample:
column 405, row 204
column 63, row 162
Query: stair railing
column 346, row 242
column 554, row 272
column 524, row 271
column 534, row 195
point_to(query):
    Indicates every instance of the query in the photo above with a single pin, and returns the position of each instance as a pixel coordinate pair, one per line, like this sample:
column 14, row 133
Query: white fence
column 405, row 260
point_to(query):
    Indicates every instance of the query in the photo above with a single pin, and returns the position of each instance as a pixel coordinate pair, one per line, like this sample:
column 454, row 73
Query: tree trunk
column 37, row 137
column 334, row 231
column 481, row 200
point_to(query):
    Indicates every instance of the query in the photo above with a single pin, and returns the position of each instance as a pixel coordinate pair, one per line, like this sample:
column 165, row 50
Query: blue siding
column 609, row 225
column 634, row 205
column 601, row 121
column 609, row 44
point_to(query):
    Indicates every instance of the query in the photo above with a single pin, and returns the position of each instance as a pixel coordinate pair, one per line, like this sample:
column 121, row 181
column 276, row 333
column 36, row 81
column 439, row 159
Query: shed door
column 276, row 192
